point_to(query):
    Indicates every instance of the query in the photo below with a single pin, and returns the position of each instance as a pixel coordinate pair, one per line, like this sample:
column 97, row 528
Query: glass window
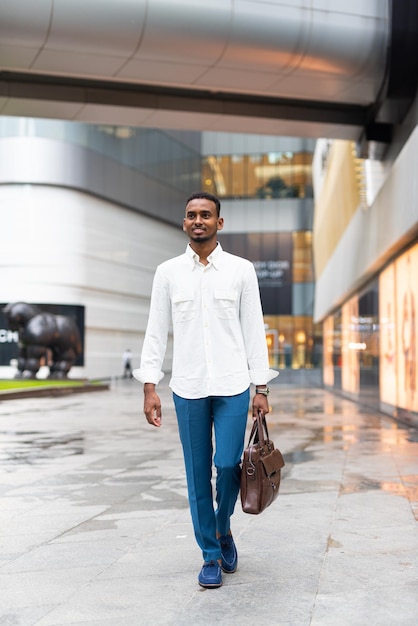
column 337, row 347
column 302, row 257
column 352, row 335
column 279, row 333
column 302, row 342
column 369, row 340
column 238, row 176
column 328, row 351
column 293, row 342
column 216, row 175
column 272, row 175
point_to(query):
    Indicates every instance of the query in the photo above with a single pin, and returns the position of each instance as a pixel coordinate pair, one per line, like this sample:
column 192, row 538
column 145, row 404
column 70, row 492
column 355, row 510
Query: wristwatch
column 263, row 390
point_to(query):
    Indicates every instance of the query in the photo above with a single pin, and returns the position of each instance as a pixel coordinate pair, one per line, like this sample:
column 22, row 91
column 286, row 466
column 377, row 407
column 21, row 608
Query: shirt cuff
column 148, row 375
column 262, row 377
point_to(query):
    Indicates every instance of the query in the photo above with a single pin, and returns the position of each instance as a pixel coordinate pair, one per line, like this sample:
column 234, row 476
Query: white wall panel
column 67, row 247
column 45, row 161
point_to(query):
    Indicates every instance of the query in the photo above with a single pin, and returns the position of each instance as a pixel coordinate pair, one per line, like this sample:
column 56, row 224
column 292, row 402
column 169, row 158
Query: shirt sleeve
column 254, row 334
column 155, row 341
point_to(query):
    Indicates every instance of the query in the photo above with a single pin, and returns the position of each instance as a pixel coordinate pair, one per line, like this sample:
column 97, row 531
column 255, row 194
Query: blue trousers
column 225, row 417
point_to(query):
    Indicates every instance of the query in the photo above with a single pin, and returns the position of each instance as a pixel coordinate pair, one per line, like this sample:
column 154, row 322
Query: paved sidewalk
column 95, row 527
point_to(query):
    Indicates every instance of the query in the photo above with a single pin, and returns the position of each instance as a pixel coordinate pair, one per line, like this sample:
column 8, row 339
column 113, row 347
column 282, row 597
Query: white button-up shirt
column 219, row 341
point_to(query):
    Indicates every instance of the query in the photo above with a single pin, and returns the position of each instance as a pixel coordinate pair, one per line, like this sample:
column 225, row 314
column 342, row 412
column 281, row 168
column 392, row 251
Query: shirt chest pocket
column 184, row 307
column 226, row 301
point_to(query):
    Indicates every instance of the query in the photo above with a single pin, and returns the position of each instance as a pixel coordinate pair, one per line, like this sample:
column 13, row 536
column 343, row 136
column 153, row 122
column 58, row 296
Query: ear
column 184, row 224
column 220, row 223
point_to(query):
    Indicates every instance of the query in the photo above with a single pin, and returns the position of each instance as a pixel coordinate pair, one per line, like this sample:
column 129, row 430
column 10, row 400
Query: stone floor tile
column 49, row 587
column 389, row 605
column 97, row 530
column 23, row 616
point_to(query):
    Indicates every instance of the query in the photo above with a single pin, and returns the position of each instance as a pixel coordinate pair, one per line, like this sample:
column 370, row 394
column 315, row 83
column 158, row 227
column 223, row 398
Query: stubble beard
column 201, row 238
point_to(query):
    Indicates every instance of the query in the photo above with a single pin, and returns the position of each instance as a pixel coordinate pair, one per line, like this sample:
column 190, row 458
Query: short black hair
column 206, row 196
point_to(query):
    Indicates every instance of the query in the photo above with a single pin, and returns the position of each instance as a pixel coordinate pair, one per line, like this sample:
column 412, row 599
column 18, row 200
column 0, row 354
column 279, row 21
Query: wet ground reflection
column 299, row 456
column 325, row 437
column 33, row 447
column 361, row 483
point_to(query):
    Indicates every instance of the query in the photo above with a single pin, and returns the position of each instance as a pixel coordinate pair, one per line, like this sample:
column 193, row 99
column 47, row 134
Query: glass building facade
column 274, row 176
column 151, row 172
column 283, row 262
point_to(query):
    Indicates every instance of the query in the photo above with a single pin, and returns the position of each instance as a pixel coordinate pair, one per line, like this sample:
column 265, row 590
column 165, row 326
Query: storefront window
column 302, row 338
column 398, row 346
column 351, row 341
column 337, row 352
column 350, row 346
column 292, row 341
column 328, row 351
column 369, row 339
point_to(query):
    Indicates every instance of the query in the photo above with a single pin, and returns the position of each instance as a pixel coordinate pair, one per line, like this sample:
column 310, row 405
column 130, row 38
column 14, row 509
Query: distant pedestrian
column 127, row 363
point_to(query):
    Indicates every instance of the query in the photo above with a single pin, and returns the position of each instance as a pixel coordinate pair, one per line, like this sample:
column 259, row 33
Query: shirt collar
column 214, row 257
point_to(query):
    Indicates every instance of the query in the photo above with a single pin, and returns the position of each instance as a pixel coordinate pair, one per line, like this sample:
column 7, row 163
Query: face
column 201, row 222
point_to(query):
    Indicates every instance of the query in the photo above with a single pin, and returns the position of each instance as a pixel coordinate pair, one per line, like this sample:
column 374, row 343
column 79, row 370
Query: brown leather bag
column 261, row 469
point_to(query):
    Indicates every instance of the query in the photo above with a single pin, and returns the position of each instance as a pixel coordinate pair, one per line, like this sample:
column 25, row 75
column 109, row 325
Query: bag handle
column 259, row 431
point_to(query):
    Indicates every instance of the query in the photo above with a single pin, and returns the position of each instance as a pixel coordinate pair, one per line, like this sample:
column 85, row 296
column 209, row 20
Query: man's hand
column 152, row 405
column 260, row 403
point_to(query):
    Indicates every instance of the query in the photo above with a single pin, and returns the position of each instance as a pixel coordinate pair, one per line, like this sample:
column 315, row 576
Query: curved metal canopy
column 262, row 66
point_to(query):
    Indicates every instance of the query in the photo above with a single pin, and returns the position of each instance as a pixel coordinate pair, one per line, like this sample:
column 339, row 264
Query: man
column 127, row 363
column 212, row 299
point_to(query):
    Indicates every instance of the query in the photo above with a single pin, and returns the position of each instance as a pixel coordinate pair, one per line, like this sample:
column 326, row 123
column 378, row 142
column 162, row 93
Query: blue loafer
column 229, row 554
column 210, row 575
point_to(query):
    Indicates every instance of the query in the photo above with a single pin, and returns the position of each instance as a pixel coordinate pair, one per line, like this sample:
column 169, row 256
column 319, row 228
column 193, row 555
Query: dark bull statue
column 43, row 335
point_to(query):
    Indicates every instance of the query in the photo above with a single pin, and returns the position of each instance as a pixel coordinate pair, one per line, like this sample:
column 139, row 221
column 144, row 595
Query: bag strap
column 263, row 433
column 252, row 433
column 259, row 432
